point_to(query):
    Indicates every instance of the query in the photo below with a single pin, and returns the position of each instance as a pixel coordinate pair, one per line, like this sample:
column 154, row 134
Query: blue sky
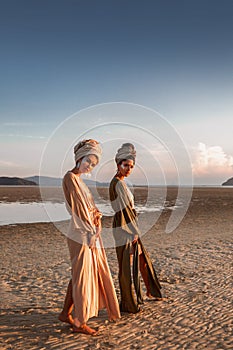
column 59, row 57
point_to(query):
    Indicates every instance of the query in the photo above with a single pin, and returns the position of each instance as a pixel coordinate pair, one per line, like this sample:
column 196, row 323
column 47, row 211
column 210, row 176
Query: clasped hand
column 98, row 227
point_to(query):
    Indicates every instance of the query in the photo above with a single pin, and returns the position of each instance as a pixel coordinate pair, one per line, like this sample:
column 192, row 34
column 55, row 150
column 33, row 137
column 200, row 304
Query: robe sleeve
column 76, row 204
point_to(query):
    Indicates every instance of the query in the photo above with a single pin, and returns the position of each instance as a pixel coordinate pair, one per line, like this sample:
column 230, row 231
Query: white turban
column 127, row 151
column 85, row 147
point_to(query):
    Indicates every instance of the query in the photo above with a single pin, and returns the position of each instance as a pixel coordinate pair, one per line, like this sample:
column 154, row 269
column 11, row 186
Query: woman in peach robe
column 91, row 287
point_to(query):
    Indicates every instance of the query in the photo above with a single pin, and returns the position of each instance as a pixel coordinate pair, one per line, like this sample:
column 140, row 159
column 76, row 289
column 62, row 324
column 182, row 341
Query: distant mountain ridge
column 15, row 181
column 57, row 182
column 45, row 180
column 229, row 182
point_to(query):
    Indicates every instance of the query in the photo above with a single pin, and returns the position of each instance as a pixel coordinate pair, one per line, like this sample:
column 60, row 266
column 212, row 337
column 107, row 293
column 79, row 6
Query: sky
column 130, row 59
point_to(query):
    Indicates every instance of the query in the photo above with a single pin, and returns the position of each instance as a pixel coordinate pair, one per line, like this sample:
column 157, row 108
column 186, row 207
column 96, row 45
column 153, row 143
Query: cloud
column 211, row 162
column 7, row 164
column 23, row 136
column 13, row 124
column 18, row 123
column 8, row 168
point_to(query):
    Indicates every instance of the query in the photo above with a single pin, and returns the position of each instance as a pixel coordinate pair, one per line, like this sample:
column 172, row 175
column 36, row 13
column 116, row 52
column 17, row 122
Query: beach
column 193, row 263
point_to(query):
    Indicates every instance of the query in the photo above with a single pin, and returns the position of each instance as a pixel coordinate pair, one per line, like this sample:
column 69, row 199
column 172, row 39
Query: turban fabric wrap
column 127, row 151
column 86, row 147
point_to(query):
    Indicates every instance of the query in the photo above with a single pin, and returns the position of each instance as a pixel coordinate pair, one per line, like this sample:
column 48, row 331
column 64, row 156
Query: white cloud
column 7, row 164
column 34, row 123
column 23, row 136
column 211, row 162
column 18, row 124
column 8, row 168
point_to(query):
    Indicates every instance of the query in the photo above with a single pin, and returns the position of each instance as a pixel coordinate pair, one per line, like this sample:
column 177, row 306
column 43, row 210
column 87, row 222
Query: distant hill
column 45, row 180
column 229, row 182
column 57, row 182
column 15, row 181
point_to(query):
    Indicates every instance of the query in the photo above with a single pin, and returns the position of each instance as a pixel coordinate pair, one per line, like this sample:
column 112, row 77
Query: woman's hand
column 97, row 218
column 97, row 222
column 135, row 239
column 92, row 243
column 98, row 229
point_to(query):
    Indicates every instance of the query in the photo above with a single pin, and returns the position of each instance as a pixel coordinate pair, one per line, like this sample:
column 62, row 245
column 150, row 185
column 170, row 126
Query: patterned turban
column 86, row 147
column 127, row 151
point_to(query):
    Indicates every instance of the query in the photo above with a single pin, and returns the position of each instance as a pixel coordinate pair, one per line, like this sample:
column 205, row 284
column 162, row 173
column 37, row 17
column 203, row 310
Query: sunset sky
column 170, row 56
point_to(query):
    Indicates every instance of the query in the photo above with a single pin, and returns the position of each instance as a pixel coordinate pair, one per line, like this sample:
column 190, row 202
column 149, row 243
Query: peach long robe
column 92, row 285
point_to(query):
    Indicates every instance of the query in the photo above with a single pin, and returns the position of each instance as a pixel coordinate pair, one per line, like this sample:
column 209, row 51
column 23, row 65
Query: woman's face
column 87, row 164
column 126, row 167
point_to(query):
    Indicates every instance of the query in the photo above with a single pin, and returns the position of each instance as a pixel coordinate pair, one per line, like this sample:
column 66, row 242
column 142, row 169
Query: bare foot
column 85, row 330
column 66, row 318
column 152, row 297
column 149, row 295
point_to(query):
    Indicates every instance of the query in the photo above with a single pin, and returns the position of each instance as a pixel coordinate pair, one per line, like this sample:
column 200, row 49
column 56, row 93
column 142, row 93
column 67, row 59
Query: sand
column 194, row 265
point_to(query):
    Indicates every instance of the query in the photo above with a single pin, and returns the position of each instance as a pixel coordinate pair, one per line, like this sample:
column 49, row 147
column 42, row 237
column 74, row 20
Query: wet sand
column 193, row 263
